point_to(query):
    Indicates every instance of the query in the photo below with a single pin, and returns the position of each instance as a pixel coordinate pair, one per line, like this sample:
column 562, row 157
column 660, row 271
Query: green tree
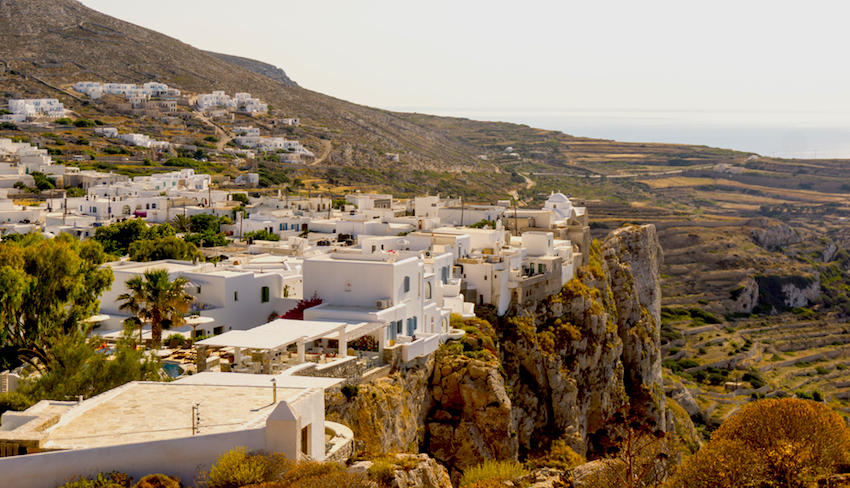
column 48, row 286
column 239, row 197
column 116, row 238
column 153, row 296
column 42, row 182
column 169, row 247
column 181, row 223
column 204, row 223
column 73, row 367
column 207, row 239
column 74, row 191
column 261, row 235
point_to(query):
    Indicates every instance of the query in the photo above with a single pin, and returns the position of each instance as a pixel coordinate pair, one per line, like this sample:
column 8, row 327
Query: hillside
column 46, row 45
column 259, row 67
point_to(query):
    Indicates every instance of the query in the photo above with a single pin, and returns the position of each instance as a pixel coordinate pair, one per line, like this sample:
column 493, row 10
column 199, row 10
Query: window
column 218, row 330
column 153, row 206
column 428, row 290
column 406, row 284
column 199, row 288
column 235, row 296
column 445, row 275
column 398, row 327
column 265, row 294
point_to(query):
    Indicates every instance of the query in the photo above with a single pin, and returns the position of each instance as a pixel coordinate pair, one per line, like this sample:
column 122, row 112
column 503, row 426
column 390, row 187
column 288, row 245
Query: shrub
column 686, row 363
column 14, row 401
column 64, row 121
column 84, row 123
column 350, row 391
column 772, row 442
column 493, row 470
column 238, row 467
column 179, row 337
column 158, row 481
column 101, row 480
column 383, row 472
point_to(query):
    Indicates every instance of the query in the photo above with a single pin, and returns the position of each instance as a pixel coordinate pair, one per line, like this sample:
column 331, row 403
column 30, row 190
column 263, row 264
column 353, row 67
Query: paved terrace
column 141, row 412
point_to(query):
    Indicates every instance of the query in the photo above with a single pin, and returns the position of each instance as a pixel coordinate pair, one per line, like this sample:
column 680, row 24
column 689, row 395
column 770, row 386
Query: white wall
column 178, row 457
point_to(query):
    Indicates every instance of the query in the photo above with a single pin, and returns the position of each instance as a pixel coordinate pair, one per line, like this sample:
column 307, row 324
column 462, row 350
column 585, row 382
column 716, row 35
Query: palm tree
column 152, row 296
column 181, row 223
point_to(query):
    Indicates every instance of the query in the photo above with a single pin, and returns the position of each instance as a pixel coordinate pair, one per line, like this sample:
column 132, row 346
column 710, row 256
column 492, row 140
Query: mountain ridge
column 256, row 66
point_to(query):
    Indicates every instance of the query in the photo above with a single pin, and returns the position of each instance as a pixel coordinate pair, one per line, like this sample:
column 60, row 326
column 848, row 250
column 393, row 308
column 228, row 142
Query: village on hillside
column 290, row 296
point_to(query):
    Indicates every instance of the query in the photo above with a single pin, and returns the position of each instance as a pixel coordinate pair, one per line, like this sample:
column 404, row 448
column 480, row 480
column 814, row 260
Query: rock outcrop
column 745, row 297
column 407, row 471
column 771, row 233
column 471, row 418
column 387, row 414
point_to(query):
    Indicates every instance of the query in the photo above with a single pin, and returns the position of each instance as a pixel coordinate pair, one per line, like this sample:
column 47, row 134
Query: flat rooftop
column 143, row 411
column 170, row 266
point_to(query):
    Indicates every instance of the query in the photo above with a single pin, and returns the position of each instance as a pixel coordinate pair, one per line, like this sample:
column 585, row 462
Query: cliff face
column 582, row 354
column 471, row 415
column 387, row 414
column 556, row 369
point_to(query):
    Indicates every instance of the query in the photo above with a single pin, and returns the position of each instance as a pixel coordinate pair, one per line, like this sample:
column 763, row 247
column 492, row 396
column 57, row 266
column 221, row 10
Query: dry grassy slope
column 61, row 41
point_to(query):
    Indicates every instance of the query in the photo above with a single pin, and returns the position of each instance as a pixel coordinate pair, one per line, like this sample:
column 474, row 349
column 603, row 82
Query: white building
column 143, row 140
column 106, row 131
column 148, row 90
column 183, row 426
column 251, row 179
column 392, row 289
column 242, row 102
column 41, row 107
column 236, row 297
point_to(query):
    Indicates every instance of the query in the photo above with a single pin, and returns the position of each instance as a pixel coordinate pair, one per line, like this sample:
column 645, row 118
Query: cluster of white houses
column 22, row 110
column 382, row 276
column 241, row 102
column 151, row 89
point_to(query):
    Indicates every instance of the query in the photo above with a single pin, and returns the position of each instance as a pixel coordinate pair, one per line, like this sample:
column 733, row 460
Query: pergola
column 279, row 334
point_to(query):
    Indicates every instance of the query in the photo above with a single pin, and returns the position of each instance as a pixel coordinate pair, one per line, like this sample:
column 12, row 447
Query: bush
column 238, row 467
column 171, row 337
column 14, row 401
column 84, row 123
column 8, row 126
column 350, row 391
column 493, row 470
column 158, row 481
column 772, row 442
column 64, row 121
column 101, row 480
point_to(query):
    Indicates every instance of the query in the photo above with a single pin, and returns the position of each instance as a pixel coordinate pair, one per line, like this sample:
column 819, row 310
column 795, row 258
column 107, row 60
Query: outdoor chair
column 174, row 343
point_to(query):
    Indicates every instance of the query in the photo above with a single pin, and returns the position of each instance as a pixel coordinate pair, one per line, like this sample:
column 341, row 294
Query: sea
column 800, row 135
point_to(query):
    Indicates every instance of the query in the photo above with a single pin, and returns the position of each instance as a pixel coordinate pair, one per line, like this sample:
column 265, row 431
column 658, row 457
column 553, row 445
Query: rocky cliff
column 387, row 415
column 579, row 356
column 554, row 370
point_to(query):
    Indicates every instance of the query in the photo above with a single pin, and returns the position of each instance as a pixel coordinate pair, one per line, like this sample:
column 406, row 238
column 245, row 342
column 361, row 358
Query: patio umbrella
column 197, row 320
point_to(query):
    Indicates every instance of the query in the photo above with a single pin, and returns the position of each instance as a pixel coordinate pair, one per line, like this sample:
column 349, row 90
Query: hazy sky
column 618, row 55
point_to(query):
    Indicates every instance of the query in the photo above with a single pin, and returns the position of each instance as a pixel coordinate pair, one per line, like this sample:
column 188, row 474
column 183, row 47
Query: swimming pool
column 173, row 370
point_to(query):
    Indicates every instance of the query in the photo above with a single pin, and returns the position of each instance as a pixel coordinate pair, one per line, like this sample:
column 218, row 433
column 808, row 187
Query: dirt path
column 219, row 132
column 326, row 151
